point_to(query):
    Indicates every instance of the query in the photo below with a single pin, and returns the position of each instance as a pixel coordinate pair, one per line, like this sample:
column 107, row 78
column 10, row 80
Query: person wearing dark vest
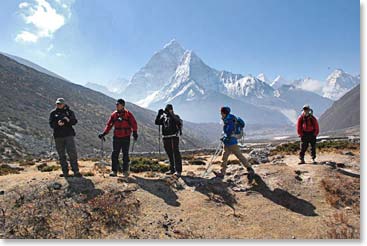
column 124, row 124
column 171, row 129
column 61, row 120
column 307, row 129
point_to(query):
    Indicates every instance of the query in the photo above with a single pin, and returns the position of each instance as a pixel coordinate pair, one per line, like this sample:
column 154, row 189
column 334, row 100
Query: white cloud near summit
column 42, row 18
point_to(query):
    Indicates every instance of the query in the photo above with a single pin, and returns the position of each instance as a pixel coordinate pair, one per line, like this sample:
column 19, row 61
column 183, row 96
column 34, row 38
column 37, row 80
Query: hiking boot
column 250, row 174
column 314, row 161
column 126, row 174
column 169, row 173
column 113, row 174
column 78, row 175
column 302, row 161
column 219, row 174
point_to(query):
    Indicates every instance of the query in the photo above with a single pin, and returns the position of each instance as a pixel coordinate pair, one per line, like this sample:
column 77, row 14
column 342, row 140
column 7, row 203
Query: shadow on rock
column 284, row 198
column 82, row 189
column 159, row 188
column 212, row 186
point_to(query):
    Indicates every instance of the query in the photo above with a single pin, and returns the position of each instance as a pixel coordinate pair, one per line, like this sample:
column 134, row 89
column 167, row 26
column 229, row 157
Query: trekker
column 61, row 121
column 124, row 123
column 307, row 129
column 171, row 128
column 230, row 145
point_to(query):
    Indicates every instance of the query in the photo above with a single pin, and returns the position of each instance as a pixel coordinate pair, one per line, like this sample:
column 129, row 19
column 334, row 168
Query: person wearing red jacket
column 307, row 129
column 124, row 124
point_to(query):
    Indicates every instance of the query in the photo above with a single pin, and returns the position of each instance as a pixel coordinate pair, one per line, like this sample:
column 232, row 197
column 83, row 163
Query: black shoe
column 314, row 161
column 113, row 174
column 302, row 161
column 78, row 175
column 219, row 174
column 250, row 174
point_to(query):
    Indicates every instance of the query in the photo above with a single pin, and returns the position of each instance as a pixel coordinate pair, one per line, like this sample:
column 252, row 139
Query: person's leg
column 313, row 147
column 116, row 144
column 177, row 155
column 72, row 153
column 125, row 145
column 303, row 147
column 235, row 149
column 225, row 156
column 168, row 148
column 61, row 151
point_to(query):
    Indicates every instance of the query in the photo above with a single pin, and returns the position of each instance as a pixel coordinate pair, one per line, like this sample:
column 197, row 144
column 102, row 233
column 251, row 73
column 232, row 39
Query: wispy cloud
column 43, row 18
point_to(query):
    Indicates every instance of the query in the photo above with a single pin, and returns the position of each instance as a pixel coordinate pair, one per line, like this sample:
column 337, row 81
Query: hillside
column 27, row 96
column 344, row 113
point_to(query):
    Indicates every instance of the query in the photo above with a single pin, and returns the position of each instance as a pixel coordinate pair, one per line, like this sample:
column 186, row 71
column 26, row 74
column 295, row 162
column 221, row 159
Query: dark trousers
column 67, row 145
column 308, row 138
column 120, row 144
column 171, row 146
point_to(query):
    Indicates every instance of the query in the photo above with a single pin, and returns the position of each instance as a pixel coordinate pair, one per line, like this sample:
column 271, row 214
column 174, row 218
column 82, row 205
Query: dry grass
column 342, row 193
column 6, row 169
column 42, row 212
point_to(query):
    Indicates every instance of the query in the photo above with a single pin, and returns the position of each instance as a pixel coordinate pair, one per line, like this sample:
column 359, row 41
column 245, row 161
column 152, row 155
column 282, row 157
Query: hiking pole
column 159, row 139
column 132, row 147
column 51, row 146
column 215, row 155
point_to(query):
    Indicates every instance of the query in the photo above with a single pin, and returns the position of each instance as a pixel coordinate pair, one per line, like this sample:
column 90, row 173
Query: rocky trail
column 286, row 201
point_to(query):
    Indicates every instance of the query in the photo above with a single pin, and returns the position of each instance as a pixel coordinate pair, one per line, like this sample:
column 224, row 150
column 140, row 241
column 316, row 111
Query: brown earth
column 286, row 201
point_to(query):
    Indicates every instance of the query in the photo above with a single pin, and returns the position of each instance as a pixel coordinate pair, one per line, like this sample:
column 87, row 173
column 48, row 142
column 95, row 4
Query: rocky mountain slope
column 344, row 113
column 27, row 96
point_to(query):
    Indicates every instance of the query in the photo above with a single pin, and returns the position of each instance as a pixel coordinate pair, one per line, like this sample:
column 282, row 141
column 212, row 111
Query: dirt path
column 281, row 205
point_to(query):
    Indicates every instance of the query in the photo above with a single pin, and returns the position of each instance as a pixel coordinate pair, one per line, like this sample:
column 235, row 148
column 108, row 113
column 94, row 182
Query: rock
column 298, row 178
column 260, row 155
column 2, row 192
column 349, row 153
column 56, row 186
column 342, row 165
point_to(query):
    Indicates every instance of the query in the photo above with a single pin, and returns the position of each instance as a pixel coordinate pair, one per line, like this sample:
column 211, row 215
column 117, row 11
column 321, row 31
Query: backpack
column 239, row 126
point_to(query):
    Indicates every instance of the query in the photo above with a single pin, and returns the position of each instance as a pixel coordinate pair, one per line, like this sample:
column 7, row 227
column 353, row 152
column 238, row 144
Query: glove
column 135, row 135
column 160, row 112
column 101, row 136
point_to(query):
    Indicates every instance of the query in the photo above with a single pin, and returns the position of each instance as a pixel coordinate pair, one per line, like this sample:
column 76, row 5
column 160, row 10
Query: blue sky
column 99, row 41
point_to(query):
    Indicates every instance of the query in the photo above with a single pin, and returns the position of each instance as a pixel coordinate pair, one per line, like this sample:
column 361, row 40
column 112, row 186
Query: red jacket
column 307, row 124
column 124, row 123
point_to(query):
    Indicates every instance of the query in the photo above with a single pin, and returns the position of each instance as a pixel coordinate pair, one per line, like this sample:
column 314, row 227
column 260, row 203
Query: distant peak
column 173, row 44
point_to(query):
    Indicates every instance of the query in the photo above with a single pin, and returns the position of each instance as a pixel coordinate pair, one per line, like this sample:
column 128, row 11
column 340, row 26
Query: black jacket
column 67, row 129
column 171, row 123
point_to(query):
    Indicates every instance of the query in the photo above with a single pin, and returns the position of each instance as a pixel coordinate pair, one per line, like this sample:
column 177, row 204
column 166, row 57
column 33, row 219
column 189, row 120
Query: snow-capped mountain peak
column 338, row 83
column 263, row 78
column 278, row 82
column 156, row 73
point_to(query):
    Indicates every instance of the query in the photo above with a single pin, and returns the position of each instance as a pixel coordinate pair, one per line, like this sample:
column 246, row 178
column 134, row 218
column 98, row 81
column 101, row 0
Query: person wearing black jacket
column 171, row 129
column 61, row 121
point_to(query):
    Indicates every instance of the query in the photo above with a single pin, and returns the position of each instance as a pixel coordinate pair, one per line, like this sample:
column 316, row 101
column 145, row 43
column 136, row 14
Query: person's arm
column 133, row 124
column 178, row 122
column 109, row 125
column 317, row 128
column 52, row 121
column 159, row 119
column 72, row 119
column 299, row 126
column 228, row 127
